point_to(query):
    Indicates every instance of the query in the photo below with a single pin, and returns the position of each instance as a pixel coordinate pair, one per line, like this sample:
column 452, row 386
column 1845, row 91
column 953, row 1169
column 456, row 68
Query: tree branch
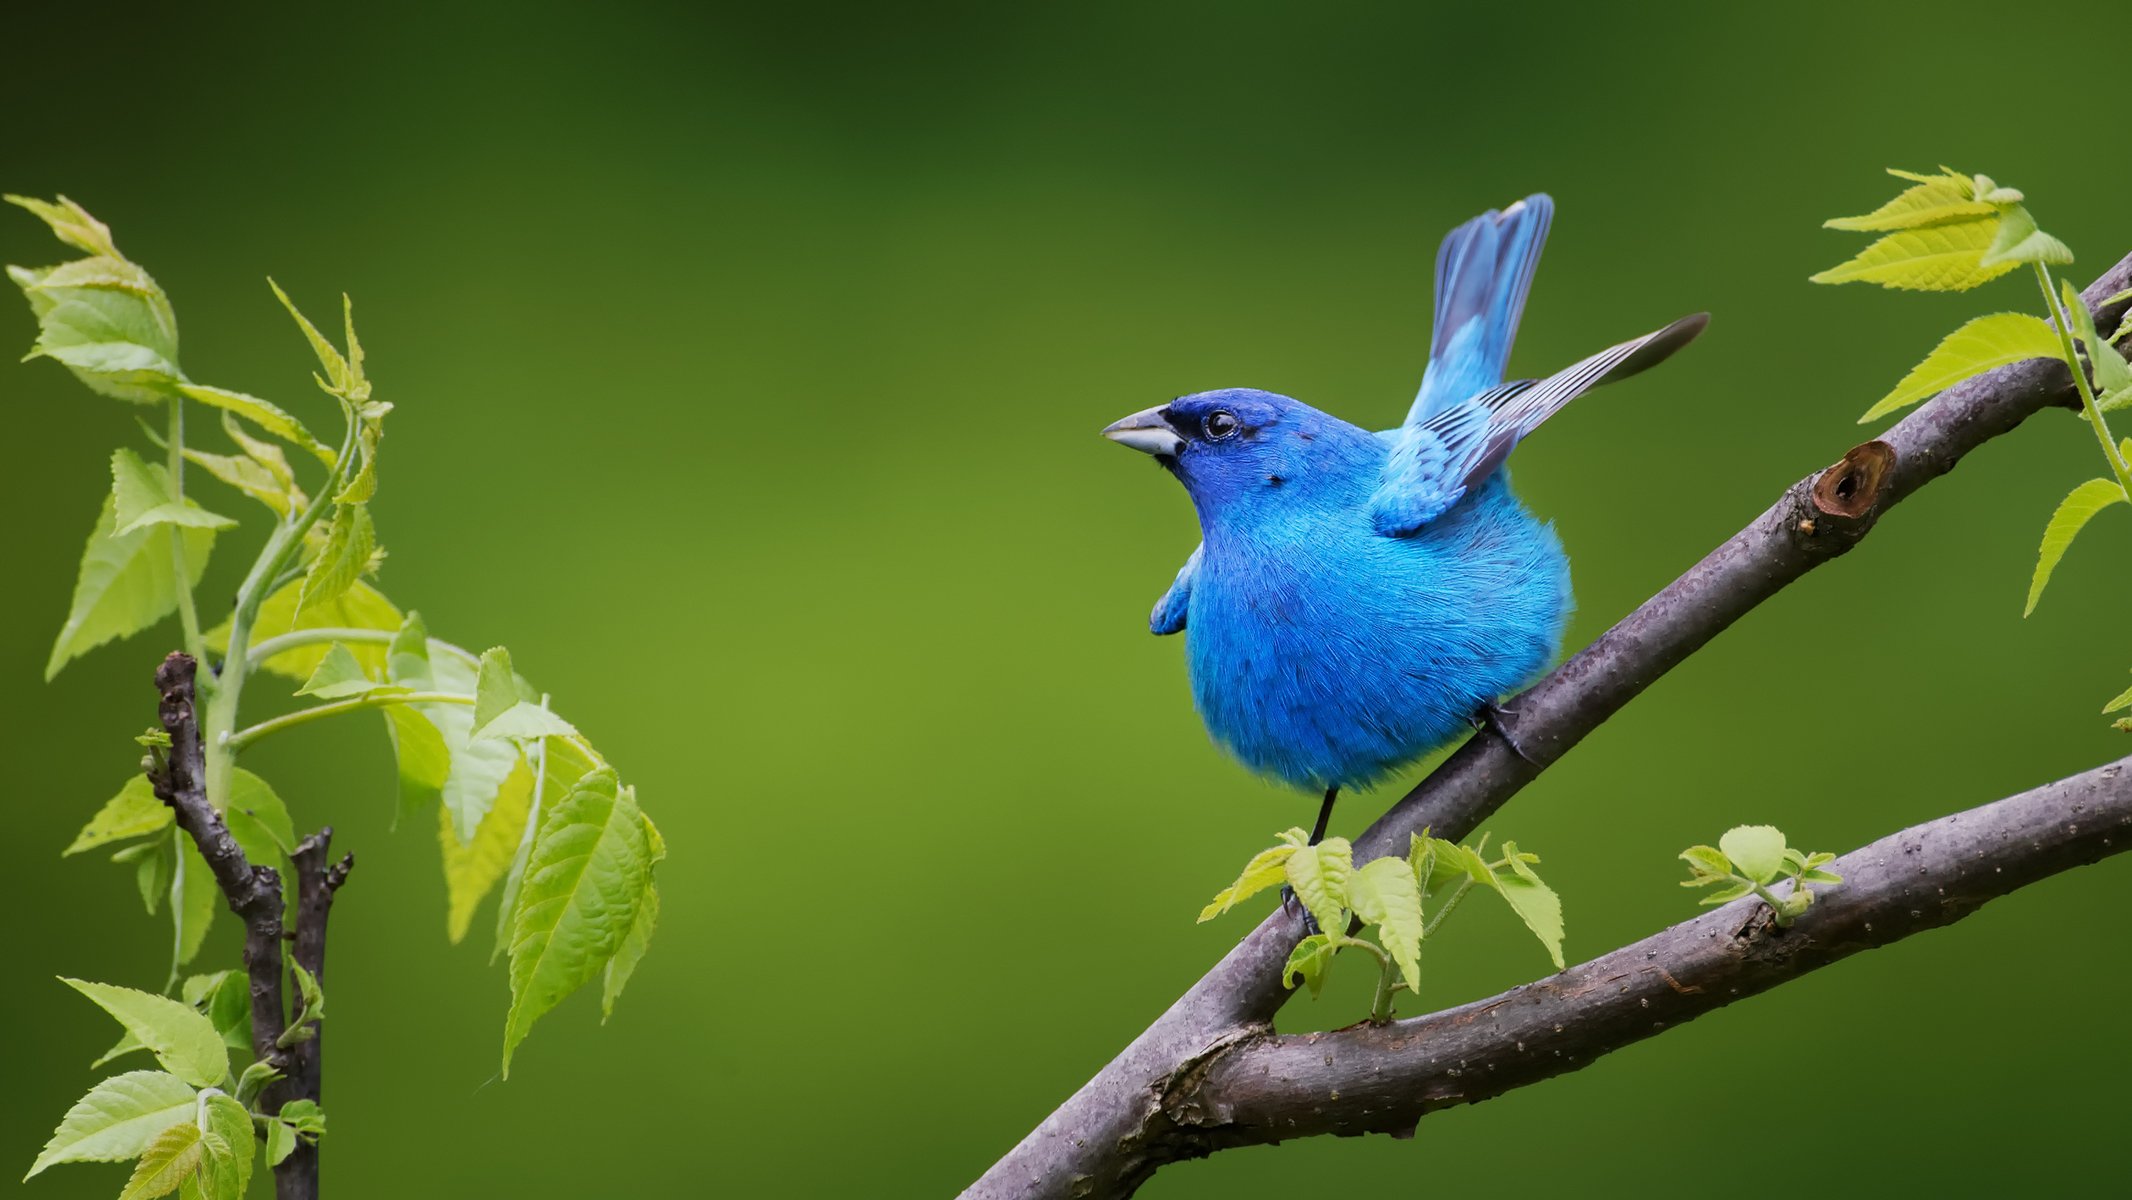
column 1098, row 1143
column 316, row 883
column 1383, row 1078
column 253, row 892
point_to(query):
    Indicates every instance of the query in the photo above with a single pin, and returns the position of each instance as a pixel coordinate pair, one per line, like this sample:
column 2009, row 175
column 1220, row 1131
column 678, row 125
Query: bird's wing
column 1483, row 272
column 1435, row 462
column 1169, row 613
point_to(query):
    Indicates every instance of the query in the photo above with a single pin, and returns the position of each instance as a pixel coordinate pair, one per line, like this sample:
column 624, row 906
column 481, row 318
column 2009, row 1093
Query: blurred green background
column 748, row 364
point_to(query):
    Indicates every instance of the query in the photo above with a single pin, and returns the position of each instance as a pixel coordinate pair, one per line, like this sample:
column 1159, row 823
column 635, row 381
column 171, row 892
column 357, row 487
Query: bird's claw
column 1289, row 902
column 1491, row 716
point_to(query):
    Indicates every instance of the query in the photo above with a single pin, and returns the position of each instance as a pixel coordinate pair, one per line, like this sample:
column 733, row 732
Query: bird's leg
column 1317, row 834
column 1490, row 715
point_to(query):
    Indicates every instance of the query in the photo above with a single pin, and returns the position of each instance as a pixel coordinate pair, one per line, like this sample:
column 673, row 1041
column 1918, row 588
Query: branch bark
column 1105, row 1140
column 255, row 894
column 1383, row 1078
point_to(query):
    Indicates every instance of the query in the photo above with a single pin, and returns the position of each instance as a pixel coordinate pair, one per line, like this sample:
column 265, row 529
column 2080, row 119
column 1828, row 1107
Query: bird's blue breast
column 1326, row 655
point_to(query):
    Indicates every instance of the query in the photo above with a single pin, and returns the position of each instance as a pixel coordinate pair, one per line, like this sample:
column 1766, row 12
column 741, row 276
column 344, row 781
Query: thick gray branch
column 1383, row 1078
column 1102, row 1142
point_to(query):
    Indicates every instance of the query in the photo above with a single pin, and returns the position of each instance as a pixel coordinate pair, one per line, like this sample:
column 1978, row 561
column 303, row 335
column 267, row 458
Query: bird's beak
column 1147, row 431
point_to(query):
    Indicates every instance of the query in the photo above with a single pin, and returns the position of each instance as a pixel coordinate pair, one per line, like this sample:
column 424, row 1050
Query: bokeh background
column 748, row 363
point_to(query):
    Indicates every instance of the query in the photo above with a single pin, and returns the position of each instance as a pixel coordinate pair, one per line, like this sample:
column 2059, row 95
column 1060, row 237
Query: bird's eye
column 1219, row 424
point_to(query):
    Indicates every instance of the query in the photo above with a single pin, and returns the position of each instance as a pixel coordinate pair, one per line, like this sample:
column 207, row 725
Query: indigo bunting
column 1360, row 599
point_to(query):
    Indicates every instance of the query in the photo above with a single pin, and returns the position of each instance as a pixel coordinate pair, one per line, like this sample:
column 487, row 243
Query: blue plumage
column 1359, row 598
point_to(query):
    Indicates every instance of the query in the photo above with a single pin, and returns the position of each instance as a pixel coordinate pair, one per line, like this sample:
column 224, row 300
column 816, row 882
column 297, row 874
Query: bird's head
column 1240, row 447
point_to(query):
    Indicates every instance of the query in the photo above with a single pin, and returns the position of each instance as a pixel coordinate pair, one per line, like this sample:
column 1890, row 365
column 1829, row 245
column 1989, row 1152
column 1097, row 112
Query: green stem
column 299, row 638
column 1457, row 894
column 188, row 615
column 2088, row 405
column 1381, row 1003
column 303, row 716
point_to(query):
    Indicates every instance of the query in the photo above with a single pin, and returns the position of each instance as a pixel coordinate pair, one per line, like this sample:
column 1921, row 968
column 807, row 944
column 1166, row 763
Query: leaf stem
column 296, row 639
column 188, row 615
column 1457, row 894
column 303, row 716
column 2088, row 405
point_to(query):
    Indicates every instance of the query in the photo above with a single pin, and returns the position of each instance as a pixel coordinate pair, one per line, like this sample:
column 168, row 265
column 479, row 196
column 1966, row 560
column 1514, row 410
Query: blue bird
column 1359, row 599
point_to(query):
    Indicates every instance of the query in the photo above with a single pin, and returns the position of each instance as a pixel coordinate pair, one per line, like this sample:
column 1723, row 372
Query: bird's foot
column 1491, row 716
column 1290, row 903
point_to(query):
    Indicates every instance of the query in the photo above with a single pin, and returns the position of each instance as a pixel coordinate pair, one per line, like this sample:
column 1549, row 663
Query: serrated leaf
column 1938, row 258
column 280, row 1141
column 473, row 869
column 227, row 1165
column 141, row 493
column 623, row 965
column 477, row 768
column 125, row 584
column 1935, row 199
column 1535, row 903
column 1975, row 348
column 109, row 323
column 225, row 998
column 1383, row 893
column 117, row 1119
column 2122, row 699
column 360, row 607
column 169, row 1159
column 1756, row 851
column 185, row 1042
column 264, row 414
column 153, row 871
column 350, row 542
column 2072, row 515
column 2019, row 241
column 338, row 676
column 1309, row 963
column 337, row 375
column 1318, row 874
column 584, row 881
column 561, row 764
column 70, row 223
column 1266, row 869
column 134, row 812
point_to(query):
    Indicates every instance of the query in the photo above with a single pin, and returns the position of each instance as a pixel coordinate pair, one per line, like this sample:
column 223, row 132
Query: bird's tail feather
column 1483, row 273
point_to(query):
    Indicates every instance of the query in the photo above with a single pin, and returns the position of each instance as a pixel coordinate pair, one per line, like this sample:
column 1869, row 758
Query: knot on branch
column 1836, row 508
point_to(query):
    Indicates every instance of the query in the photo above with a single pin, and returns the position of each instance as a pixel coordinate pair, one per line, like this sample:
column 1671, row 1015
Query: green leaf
column 169, row 1159
column 2106, row 367
column 1318, row 874
column 152, row 870
column 258, row 819
column 280, row 1141
column 70, row 223
column 1939, row 258
column 624, row 963
column 561, row 764
column 185, row 1042
column 501, row 711
column 227, row 1168
column 360, row 607
column 338, row 676
column 341, row 562
column 108, row 322
column 134, row 812
column 1726, row 894
column 473, row 869
column 2019, row 241
column 198, row 897
column 118, row 1119
column 126, row 584
column 1707, row 862
column 305, row 1117
column 1973, row 349
column 1448, row 862
column 1266, row 869
column 1309, row 963
column 1535, row 903
column 2073, row 513
column 265, row 415
column 477, row 768
column 407, row 658
column 142, row 493
column 1756, row 851
column 1384, row 893
column 2122, row 699
column 1935, row 200
column 343, row 375
column 584, row 881
column 225, row 998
